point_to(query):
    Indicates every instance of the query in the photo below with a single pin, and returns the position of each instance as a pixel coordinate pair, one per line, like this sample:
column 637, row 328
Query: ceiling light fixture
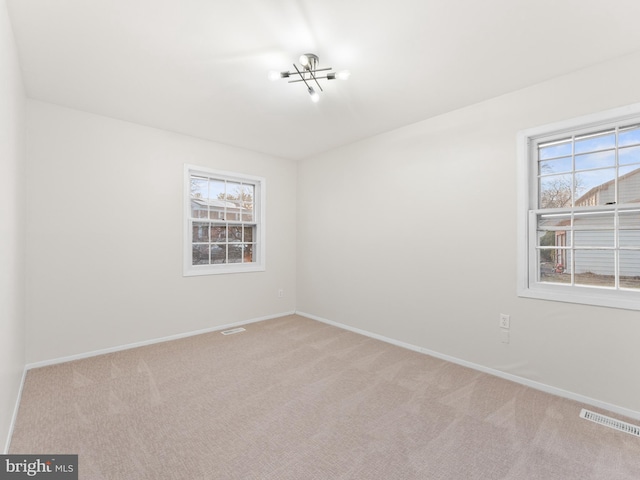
column 307, row 73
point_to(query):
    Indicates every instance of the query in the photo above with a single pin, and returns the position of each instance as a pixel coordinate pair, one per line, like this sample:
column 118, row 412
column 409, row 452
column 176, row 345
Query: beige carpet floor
column 295, row 399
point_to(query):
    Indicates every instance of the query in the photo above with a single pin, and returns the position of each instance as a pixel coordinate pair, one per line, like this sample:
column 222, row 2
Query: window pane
column 629, row 136
column 198, row 187
column 629, row 218
column 200, row 232
column 219, row 253
column 200, row 255
column 247, row 192
column 593, row 220
column 199, row 208
column 234, row 191
column 594, row 229
column 218, row 233
column 555, row 191
column 554, row 149
column 629, row 185
column 592, row 143
column 629, row 155
column 594, row 238
column 198, row 196
column 548, row 221
column 233, row 212
column 235, row 253
column 595, row 267
column 248, row 234
column 553, row 261
column 629, row 268
column 553, row 265
column 559, row 165
column 235, row 233
column 629, row 235
column 629, row 223
column 550, row 238
column 629, row 238
column 216, row 189
column 247, row 202
column 216, row 209
column 248, row 253
column 596, row 187
column 596, row 160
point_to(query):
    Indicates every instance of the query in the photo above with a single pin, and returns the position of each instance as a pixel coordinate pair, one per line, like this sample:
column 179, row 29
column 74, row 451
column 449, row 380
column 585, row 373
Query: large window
column 580, row 210
column 224, row 222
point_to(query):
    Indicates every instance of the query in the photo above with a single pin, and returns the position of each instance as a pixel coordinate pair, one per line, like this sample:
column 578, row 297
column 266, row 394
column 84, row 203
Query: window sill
column 628, row 300
column 199, row 270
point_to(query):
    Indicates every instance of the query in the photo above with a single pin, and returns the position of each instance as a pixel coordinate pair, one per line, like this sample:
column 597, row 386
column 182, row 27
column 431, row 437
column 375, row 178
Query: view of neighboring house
column 591, row 232
column 628, row 191
column 216, row 209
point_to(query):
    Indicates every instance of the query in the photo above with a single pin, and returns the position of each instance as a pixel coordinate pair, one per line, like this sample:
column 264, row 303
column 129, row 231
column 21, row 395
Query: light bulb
column 304, row 60
column 314, row 95
column 343, row 75
column 273, row 75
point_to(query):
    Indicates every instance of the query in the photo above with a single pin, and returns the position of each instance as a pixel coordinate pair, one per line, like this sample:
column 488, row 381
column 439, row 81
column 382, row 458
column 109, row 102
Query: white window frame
column 259, row 200
column 528, row 286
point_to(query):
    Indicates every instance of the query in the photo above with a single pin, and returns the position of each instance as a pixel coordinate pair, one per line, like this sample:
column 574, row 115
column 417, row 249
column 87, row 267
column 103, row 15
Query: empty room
column 293, row 239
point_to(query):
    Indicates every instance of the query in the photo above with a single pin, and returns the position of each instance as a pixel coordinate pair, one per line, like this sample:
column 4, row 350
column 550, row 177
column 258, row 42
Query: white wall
column 104, row 235
column 12, row 331
column 412, row 235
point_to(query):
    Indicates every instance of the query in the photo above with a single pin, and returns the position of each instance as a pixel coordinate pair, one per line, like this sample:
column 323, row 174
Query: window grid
column 230, row 228
column 558, row 193
column 223, row 229
column 568, row 250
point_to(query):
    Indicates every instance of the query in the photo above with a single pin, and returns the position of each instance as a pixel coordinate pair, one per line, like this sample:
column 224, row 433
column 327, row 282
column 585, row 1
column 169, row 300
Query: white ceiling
column 199, row 67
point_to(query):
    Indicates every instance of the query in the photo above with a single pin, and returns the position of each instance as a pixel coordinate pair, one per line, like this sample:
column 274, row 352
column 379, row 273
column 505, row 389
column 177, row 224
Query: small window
column 580, row 210
column 224, row 222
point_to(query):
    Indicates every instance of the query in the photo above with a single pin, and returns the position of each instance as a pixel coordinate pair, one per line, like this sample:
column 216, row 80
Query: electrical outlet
column 280, row 293
column 504, row 320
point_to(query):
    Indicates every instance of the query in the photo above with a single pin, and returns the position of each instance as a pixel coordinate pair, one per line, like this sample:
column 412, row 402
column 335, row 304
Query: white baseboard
column 497, row 373
column 15, row 413
column 143, row 343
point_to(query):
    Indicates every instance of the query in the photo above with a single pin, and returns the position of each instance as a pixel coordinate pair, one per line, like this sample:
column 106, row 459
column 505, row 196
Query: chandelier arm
column 316, row 80
column 301, row 76
column 298, row 81
column 321, row 69
column 316, row 70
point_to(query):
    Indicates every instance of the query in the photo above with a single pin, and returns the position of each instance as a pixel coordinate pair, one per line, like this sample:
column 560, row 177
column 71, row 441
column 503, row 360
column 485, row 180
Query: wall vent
column 233, row 330
column 610, row 422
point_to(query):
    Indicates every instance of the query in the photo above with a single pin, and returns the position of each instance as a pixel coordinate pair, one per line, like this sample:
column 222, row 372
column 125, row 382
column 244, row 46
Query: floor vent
column 610, row 422
column 233, row 330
